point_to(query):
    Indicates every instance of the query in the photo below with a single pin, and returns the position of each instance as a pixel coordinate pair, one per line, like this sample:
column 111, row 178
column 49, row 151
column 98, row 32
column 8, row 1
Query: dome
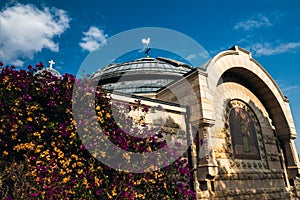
column 54, row 72
column 145, row 75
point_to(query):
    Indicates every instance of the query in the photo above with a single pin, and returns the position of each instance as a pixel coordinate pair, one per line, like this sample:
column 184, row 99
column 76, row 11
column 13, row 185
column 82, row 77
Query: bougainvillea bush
column 42, row 156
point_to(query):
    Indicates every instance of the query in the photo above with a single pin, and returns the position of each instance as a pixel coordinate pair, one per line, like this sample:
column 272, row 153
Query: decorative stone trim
column 253, row 175
column 254, row 192
column 243, row 164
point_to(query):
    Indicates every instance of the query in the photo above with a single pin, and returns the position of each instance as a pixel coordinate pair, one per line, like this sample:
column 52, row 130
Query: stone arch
column 221, row 131
column 237, row 65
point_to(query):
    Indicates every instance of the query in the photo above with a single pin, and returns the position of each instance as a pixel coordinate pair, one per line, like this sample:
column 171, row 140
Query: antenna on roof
column 146, row 42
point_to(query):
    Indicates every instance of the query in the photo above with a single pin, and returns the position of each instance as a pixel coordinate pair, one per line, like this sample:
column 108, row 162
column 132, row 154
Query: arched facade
column 229, row 162
column 237, row 66
column 244, row 142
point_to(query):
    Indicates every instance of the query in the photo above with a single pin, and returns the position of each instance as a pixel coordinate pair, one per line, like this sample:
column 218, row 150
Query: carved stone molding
column 241, row 163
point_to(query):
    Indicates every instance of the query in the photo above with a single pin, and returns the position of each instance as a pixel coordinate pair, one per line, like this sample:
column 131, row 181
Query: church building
column 234, row 107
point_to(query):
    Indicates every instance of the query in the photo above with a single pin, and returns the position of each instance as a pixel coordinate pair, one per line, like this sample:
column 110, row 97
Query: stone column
column 207, row 164
column 293, row 167
column 193, row 150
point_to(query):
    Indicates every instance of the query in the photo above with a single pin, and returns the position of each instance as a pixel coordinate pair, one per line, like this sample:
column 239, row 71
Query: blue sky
column 67, row 31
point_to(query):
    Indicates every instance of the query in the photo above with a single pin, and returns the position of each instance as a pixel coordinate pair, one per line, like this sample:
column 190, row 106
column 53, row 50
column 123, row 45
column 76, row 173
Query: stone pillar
column 193, row 149
column 207, row 165
column 293, row 167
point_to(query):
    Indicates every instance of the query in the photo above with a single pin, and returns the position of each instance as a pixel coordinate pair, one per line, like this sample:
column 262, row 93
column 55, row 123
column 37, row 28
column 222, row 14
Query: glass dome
column 145, row 75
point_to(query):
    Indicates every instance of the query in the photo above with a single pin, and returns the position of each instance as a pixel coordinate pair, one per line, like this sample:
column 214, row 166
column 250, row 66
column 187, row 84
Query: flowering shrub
column 42, row 156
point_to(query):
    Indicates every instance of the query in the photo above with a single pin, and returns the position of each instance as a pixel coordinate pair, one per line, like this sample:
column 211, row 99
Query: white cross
column 51, row 62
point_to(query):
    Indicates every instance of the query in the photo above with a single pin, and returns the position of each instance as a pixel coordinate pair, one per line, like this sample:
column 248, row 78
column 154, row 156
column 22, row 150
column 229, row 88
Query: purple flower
column 34, row 194
column 82, row 147
column 178, row 144
column 28, row 128
column 99, row 192
column 27, row 97
column 39, row 65
column 131, row 196
column 145, row 108
column 137, row 101
column 51, row 103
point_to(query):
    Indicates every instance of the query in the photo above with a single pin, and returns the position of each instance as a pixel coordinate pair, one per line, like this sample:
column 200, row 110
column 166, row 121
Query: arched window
column 243, row 126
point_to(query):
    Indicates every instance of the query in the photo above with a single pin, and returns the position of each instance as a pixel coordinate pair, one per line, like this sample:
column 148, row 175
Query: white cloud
column 26, row 30
column 191, row 57
column 197, row 56
column 93, row 39
column 271, row 49
column 254, row 22
column 290, row 90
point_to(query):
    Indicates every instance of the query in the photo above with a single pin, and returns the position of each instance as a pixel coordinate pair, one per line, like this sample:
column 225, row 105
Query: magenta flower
column 34, row 194
column 39, row 112
column 39, row 65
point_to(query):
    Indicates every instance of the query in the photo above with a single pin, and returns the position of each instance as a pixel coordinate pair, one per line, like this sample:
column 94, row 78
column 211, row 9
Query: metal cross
column 51, row 62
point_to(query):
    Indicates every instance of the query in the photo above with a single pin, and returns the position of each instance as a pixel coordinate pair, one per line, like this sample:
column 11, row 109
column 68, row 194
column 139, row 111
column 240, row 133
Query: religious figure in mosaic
column 243, row 134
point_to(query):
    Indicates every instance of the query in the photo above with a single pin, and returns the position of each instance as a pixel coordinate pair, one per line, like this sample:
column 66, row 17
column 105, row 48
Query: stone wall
column 219, row 175
column 242, row 178
column 234, row 78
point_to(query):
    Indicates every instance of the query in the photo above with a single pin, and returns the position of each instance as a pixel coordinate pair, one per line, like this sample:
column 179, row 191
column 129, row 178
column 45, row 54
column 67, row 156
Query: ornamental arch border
column 239, row 62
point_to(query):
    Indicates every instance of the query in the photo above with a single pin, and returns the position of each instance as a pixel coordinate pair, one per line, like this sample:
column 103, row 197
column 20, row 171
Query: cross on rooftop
column 51, row 62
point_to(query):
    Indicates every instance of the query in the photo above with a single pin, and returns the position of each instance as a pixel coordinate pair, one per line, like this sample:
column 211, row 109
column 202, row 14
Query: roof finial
column 51, row 62
column 146, row 42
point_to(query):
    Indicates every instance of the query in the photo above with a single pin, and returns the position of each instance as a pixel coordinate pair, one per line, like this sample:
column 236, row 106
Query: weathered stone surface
column 234, row 75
